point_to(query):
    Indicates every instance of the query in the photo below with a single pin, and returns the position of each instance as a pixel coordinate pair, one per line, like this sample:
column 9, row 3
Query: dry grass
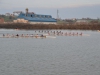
column 50, row 26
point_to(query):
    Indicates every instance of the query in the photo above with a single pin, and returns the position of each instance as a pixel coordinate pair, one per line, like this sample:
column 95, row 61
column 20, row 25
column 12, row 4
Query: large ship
column 33, row 18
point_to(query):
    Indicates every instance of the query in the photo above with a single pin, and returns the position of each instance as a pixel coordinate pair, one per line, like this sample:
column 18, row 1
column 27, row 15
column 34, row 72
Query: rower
column 81, row 33
column 3, row 35
column 27, row 35
column 42, row 35
column 22, row 35
column 77, row 33
column 17, row 35
column 73, row 34
column 7, row 35
column 12, row 35
column 32, row 35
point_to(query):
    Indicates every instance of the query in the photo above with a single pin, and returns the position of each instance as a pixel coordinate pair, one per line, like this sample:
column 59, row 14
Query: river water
column 63, row 55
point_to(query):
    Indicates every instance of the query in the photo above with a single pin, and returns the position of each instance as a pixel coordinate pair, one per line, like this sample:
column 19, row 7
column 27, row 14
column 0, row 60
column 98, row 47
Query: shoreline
column 49, row 26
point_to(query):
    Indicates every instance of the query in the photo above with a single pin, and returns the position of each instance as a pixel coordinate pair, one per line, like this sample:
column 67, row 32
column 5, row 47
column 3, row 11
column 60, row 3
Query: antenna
column 57, row 14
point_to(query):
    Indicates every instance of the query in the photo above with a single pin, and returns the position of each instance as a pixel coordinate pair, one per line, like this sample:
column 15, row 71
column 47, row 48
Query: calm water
column 64, row 55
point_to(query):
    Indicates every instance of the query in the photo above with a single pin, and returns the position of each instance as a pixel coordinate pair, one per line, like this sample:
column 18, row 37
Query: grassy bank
column 50, row 26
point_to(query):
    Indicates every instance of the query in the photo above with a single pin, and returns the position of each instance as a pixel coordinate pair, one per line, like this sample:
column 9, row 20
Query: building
column 33, row 18
column 87, row 21
column 1, row 20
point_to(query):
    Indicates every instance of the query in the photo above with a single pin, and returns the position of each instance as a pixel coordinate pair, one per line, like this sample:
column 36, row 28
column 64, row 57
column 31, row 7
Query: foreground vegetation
column 50, row 26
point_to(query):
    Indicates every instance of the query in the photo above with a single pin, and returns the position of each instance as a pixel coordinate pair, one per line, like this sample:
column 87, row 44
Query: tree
column 26, row 10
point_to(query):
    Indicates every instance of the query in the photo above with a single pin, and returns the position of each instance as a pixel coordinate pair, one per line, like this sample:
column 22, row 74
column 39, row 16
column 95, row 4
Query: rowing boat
column 27, row 37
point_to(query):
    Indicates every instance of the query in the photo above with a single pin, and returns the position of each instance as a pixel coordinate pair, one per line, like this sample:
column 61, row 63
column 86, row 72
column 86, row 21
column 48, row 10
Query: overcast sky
column 67, row 8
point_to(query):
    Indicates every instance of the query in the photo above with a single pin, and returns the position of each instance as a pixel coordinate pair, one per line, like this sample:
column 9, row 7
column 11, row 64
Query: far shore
column 50, row 26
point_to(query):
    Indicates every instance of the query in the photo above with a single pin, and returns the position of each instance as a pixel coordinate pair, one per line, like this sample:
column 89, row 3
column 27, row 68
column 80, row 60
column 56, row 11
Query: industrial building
column 32, row 18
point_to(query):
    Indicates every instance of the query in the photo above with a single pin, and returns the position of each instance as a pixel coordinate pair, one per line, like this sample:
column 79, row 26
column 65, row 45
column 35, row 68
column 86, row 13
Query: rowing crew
column 73, row 33
column 42, row 35
column 61, row 33
column 66, row 33
column 23, row 35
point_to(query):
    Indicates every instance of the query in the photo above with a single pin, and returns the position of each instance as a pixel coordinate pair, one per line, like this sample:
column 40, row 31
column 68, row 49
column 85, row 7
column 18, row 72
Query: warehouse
column 32, row 18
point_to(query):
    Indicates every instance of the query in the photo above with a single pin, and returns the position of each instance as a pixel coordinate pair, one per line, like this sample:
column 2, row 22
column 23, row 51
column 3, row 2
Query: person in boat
column 69, row 33
column 62, row 33
column 48, row 33
column 7, row 34
column 77, row 33
column 36, row 35
column 32, row 35
column 42, row 35
column 17, row 35
column 80, row 33
column 54, row 32
column 12, row 35
column 22, row 35
column 3, row 35
column 73, row 34
column 65, row 33
column 27, row 35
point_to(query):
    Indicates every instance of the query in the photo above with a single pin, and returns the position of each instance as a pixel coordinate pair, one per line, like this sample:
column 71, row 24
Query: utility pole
column 57, row 14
